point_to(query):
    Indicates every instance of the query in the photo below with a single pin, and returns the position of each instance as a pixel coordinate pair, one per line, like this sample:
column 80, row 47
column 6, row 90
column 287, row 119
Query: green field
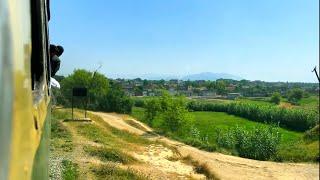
column 252, row 101
column 311, row 103
column 292, row 146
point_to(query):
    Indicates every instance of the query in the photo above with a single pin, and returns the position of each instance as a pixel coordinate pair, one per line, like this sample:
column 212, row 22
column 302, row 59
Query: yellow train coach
column 24, row 89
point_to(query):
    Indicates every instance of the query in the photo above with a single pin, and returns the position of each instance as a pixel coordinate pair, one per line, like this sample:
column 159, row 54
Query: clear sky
column 271, row 40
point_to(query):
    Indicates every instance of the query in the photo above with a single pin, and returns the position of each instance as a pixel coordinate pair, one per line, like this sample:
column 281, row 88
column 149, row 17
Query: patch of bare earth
column 220, row 166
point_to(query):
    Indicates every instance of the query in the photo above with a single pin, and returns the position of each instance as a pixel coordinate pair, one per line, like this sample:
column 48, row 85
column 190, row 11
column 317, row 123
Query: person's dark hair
column 57, row 50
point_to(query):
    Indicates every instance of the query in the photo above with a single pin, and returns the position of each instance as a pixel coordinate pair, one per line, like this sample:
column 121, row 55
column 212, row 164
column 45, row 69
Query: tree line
column 103, row 94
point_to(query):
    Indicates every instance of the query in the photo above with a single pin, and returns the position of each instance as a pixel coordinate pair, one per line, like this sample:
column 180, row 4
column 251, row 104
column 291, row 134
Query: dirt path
column 222, row 166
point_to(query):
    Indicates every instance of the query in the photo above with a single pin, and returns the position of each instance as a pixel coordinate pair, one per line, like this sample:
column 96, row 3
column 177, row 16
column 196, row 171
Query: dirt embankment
column 222, row 166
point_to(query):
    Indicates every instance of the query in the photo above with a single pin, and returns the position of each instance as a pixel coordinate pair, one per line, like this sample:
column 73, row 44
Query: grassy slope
column 292, row 146
column 111, row 142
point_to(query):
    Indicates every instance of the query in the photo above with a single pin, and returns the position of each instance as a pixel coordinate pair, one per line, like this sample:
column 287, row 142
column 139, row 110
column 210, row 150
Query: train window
column 40, row 56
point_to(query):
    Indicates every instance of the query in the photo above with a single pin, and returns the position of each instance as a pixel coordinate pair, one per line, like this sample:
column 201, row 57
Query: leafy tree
column 175, row 114
column 116, row 100
column 295, row 95
column 221, row 87
column 171, row 110
column 275, row 98
column 138, row 90
column 98, row 86
column 152, row 109
column 103, row 95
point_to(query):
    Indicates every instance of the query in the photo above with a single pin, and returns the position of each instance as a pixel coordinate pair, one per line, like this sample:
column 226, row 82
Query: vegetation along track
column 218, row 165
column 97, row 150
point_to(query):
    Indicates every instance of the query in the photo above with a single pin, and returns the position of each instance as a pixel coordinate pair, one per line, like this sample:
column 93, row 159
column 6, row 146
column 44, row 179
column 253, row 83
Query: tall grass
column 294, row 119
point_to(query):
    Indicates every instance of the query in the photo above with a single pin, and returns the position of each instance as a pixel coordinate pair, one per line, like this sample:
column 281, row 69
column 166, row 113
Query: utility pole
column 92, row 79
column 315, row 71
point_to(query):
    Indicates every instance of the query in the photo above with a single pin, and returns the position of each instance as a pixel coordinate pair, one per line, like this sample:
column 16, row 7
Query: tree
column 116, row 100
column 103, row 95
column 176, row 114
column 172, row 111
column 221, row 87
column 275, row 98
column 152, row 109
column 295, row 95
column 98, row 86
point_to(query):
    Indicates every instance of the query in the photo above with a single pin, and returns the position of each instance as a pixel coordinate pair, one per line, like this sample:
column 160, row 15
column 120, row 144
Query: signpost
column 80, row 92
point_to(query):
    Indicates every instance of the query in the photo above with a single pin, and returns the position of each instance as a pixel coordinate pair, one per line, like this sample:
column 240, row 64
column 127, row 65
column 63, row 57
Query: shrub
column 261, row 143
column 152, row 109
column 295, row 95
column 139, row 103
column 70, row 170
column 275, row 98
column 225, row 139
column 171, row 111
column 116, row 101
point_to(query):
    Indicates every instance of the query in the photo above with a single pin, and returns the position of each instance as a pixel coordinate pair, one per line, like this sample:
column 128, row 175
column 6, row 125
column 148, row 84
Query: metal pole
column 85, row 108
column 72, row 106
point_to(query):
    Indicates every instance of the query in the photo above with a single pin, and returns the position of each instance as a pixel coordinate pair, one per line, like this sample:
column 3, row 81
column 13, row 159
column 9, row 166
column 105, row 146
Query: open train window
column 40, row 66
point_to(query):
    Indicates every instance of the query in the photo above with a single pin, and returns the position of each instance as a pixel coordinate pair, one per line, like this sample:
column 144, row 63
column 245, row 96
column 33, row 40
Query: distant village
column 222, row 88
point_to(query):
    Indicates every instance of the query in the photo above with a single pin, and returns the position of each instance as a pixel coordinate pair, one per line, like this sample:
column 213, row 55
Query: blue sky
column 271, row 40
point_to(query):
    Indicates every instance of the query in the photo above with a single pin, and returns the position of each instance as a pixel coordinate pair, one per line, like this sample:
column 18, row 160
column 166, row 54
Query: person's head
column 59, row 50
column 56, row 50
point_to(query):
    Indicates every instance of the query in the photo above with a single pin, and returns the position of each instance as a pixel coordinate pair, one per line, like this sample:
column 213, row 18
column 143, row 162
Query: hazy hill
column 210, row 76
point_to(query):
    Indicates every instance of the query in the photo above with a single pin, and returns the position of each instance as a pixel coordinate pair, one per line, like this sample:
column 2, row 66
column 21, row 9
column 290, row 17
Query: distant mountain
column 158, row 77
column 192, row 77
column 210, row 76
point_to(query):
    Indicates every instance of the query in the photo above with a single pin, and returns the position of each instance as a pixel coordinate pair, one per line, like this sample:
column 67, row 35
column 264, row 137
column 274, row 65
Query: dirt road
column 222, row 166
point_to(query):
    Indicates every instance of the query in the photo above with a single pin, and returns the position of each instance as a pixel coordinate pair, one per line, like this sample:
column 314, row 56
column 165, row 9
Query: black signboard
column 79, row 92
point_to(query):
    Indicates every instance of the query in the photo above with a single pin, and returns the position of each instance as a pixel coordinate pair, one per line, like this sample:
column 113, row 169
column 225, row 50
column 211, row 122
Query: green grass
column 109, row 154
column 110, row 171
column 292, row 146
column 70, row 170
column 61, row 138
column 310, row 103
column 219, row 101
column 113, row 145
column 107, row 135
column 254, row 101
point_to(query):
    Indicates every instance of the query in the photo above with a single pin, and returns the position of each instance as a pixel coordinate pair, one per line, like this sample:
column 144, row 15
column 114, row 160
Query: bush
column 116, row 101
column 171, row 111
column 225, row 139
column 152, row 108
column 261, row 143
column 295, row 95
column 275, row 98
column 139, row 103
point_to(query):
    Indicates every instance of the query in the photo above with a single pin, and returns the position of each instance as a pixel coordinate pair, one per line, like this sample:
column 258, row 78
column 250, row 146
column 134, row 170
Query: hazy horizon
column 256, row 40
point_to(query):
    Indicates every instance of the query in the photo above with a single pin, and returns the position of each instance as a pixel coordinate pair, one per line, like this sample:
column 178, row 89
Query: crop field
column 212, row 131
